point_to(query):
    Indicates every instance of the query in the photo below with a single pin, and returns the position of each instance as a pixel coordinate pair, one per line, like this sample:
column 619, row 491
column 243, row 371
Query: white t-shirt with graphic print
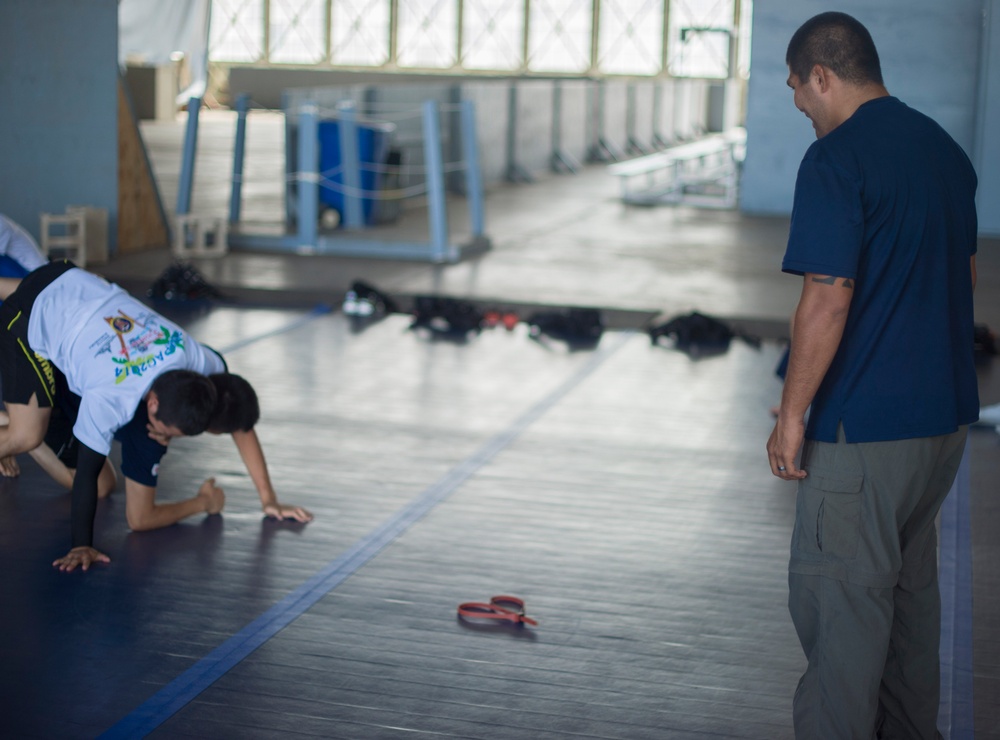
column 111, row 347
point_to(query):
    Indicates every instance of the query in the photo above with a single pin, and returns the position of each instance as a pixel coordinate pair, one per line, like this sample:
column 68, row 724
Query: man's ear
column 822, row 76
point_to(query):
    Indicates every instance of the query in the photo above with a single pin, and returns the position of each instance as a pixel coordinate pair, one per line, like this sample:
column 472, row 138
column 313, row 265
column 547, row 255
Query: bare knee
column 25, row 428
column 137, row 521
column 139, row 518
column 15, row 440
column 140, row 507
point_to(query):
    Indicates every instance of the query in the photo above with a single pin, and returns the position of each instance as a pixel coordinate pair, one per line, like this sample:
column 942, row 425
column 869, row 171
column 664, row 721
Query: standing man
column 883, row 232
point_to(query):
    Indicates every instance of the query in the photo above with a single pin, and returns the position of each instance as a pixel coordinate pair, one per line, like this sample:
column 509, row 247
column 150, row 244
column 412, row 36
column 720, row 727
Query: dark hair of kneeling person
column 186, row 400
column 236, row 405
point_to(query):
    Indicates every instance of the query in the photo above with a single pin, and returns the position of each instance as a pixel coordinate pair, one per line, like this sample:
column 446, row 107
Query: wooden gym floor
column 622, row 492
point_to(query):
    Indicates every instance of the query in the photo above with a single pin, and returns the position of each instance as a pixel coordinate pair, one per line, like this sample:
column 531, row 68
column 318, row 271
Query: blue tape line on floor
column 172, row 697
column 955, row 716
column 319, row 310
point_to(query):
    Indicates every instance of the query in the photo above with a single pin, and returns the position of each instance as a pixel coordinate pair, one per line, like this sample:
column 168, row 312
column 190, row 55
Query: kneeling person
column 236, row 412
column 116, row 355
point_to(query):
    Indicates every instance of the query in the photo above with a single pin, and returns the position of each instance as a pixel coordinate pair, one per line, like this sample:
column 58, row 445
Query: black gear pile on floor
column 455, row 319
column 181, row 282
column 447, row 318
column 364, row 304
column 699, row 335
column 579, row 328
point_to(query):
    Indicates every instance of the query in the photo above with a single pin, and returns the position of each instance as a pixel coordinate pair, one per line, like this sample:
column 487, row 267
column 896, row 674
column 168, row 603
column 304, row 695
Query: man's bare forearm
column 818, row 328
column 253, row 458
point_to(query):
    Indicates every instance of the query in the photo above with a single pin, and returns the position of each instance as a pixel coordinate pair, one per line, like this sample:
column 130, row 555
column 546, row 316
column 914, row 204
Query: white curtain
column 153, row 30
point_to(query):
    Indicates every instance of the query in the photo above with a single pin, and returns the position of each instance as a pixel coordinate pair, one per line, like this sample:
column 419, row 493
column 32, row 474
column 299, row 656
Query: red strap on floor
column 510, row 608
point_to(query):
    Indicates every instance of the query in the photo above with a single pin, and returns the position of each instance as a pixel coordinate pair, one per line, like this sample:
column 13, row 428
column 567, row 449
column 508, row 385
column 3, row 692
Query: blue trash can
column 373, row 148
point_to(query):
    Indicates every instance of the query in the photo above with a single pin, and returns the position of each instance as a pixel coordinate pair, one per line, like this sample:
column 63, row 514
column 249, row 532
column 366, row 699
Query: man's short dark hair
column 186, row 400
column 839, row 42
column 236, row 406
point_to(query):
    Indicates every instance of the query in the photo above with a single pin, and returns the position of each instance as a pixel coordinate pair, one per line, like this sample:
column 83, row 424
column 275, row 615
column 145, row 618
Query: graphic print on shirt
column 142, row 343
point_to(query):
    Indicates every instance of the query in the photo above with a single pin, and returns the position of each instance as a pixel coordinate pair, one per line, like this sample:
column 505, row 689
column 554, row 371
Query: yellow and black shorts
column 23, row 371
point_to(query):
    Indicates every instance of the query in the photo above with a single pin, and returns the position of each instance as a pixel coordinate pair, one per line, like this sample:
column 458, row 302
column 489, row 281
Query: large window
column 704, row 38
column 492, row 34
column 700, row 38
column 559, row 37
column 237, row 31
column 427, row 33
column 296, row 31
column 359, row 32
column 631, row 37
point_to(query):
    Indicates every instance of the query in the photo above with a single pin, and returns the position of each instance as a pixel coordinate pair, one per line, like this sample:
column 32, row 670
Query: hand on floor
column 82, row 557
column 288, row 511
column 215, row 499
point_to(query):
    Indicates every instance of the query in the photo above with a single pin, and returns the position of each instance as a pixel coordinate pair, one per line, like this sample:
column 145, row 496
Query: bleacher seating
column 702, row 173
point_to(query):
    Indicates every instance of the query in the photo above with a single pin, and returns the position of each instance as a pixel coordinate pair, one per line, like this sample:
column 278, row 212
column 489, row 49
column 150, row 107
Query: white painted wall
column 930, row 51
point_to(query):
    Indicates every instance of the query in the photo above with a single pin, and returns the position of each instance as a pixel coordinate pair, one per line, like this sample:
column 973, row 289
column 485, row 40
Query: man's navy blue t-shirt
column 888, row 199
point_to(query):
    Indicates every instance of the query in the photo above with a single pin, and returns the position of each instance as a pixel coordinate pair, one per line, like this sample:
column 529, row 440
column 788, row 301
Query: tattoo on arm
column 831, row 280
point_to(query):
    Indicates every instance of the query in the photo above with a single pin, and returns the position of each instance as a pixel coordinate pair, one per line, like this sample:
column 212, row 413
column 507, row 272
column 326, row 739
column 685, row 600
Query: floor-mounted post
column 515, row 172
column 186, row 182
column 437, row 215
column 308, row 177
column 473, row 173
column 350, row 165
column 239, row 151
column 560, row 160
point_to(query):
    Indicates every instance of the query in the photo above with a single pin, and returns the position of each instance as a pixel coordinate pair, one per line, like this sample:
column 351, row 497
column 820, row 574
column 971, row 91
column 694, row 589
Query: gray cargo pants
column 863, row 588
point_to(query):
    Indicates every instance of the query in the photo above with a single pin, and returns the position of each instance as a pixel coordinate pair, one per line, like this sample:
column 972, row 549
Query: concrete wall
column 492, row 103
column 59, row 128
column 987, row 157
column 574, row 133
column 690, row 98
column 929, row 49
column 534, row 118
column 643, row 117
column 613, row 97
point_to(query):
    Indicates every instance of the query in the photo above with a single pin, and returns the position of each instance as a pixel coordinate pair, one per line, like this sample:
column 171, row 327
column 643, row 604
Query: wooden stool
column 69, row 239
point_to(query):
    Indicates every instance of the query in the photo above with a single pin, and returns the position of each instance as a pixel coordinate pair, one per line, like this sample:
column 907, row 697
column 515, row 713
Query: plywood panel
column 142, row 224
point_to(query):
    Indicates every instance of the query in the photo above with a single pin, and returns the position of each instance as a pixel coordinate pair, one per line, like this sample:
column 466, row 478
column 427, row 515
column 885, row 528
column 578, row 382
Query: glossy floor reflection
column 635, row 516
